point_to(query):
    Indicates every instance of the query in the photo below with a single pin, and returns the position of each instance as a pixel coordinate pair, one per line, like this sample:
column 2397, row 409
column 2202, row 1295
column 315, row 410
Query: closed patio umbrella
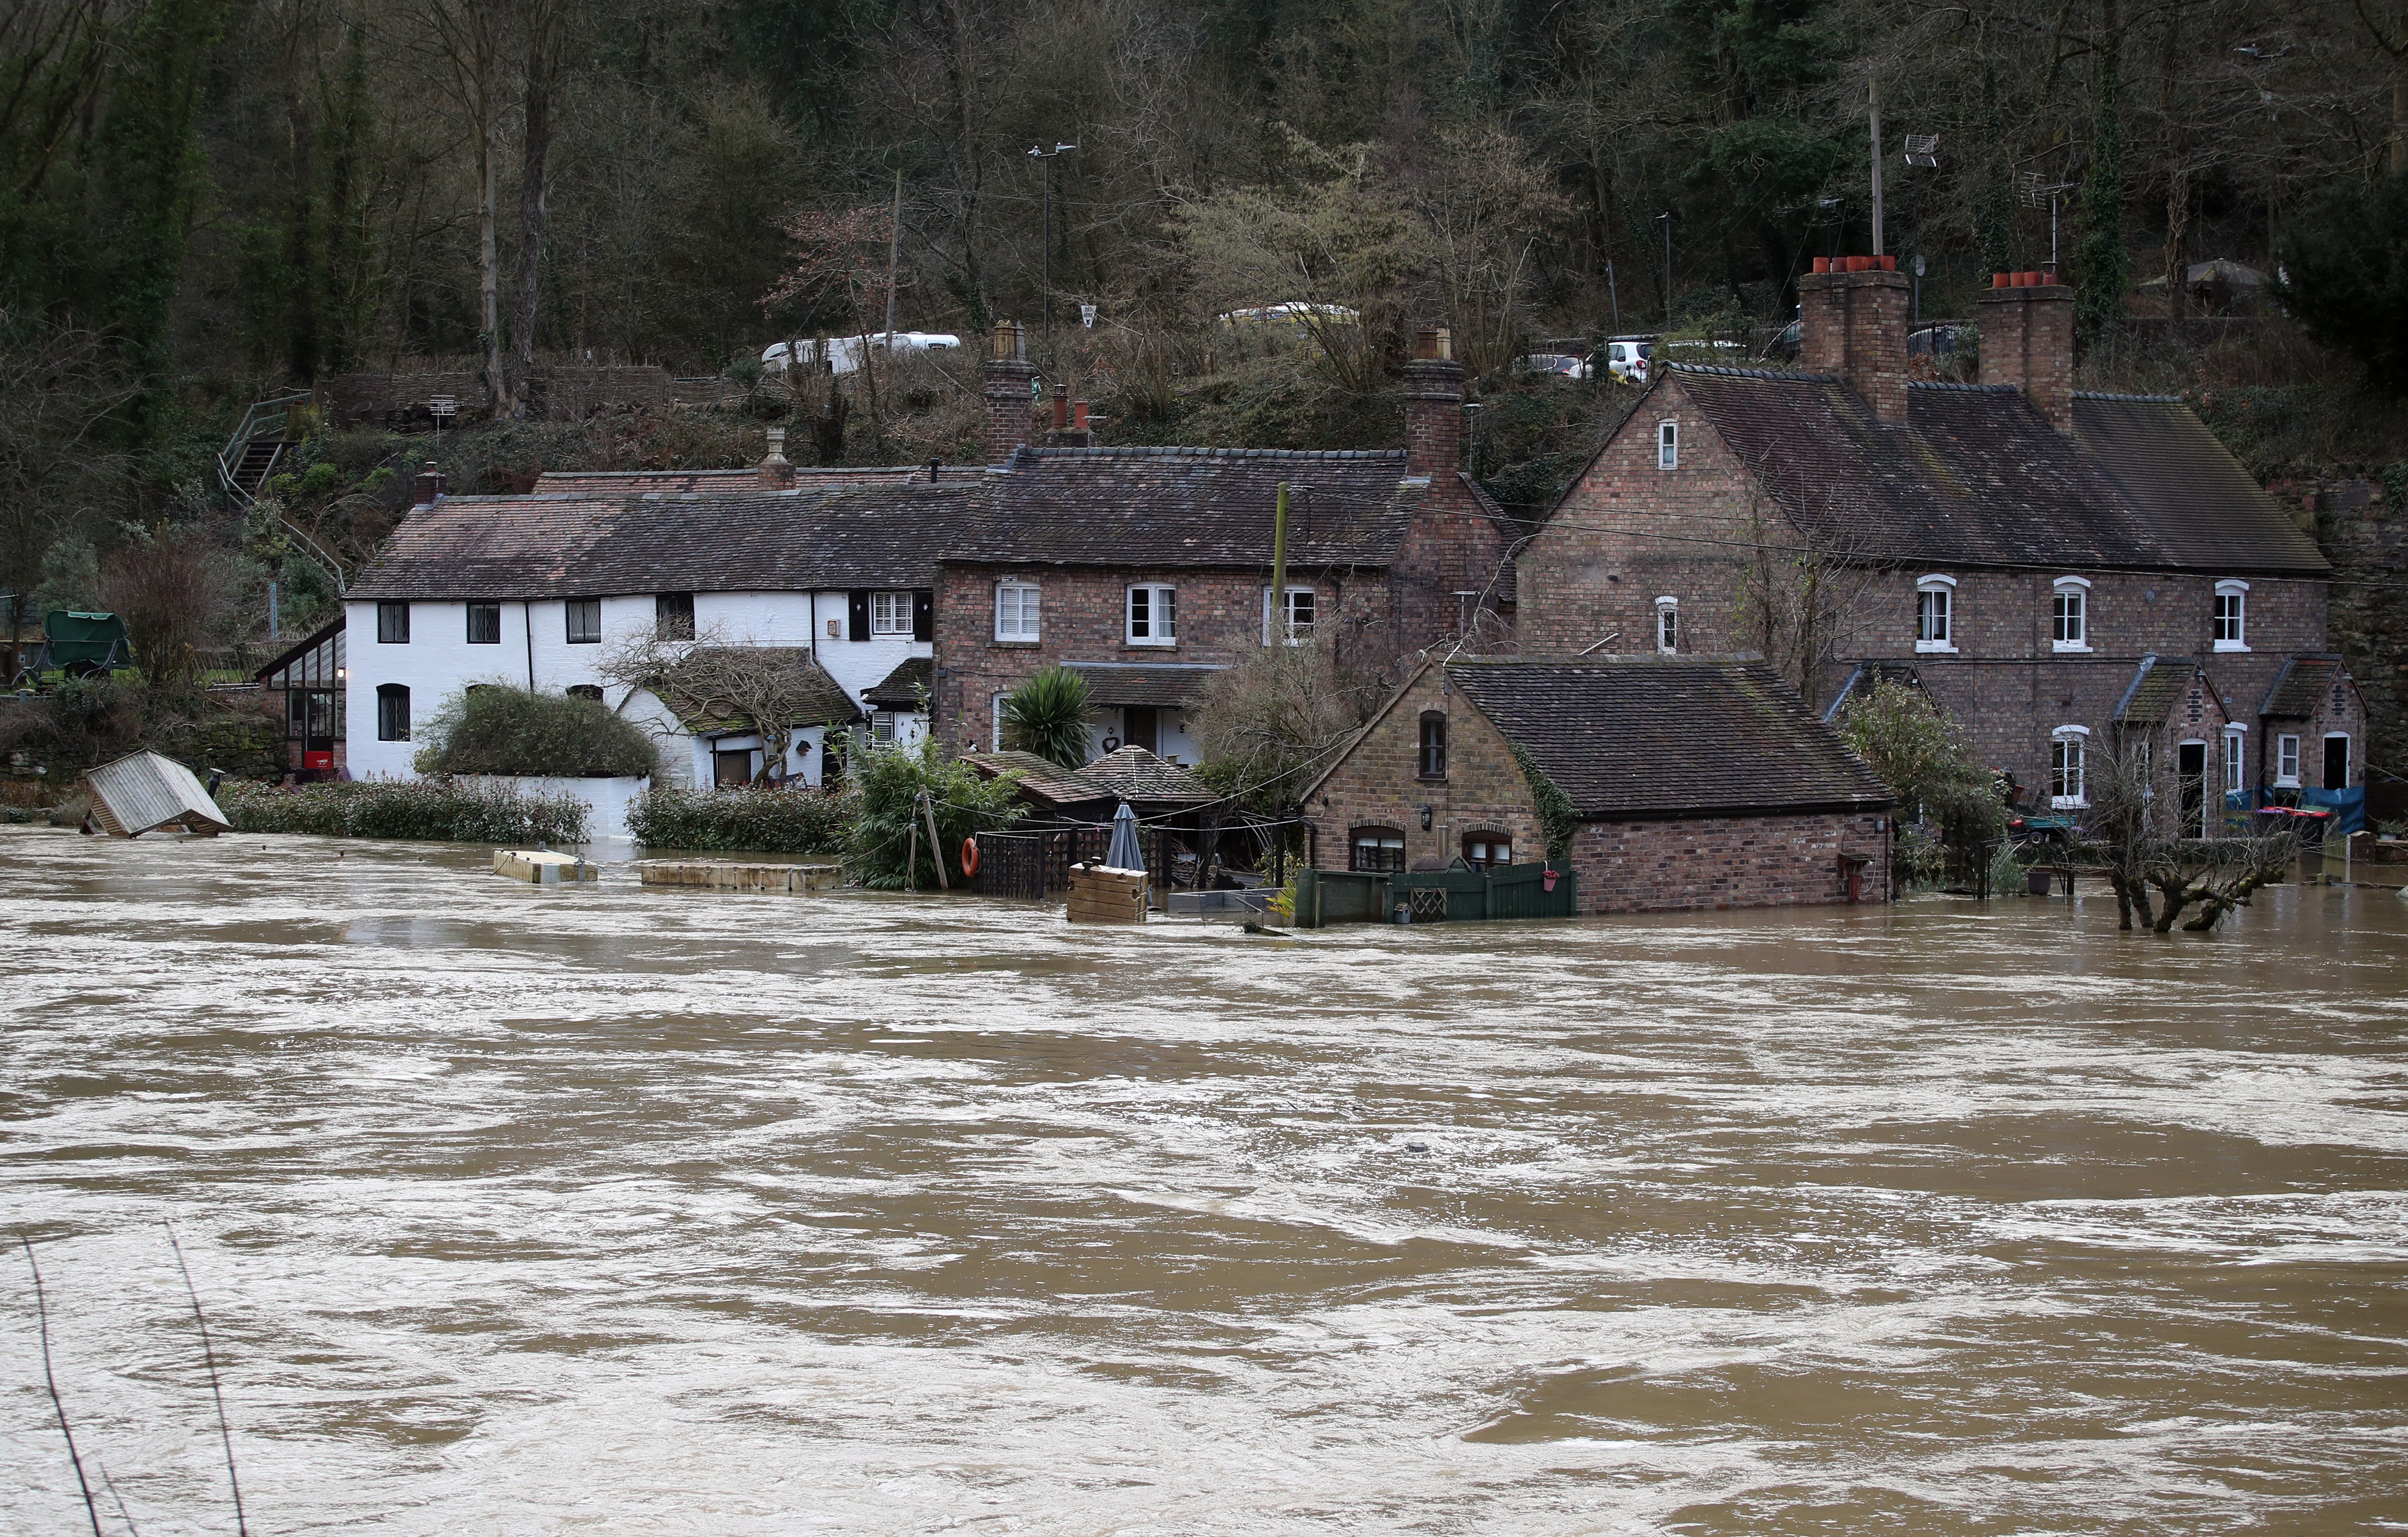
column 1125, row 854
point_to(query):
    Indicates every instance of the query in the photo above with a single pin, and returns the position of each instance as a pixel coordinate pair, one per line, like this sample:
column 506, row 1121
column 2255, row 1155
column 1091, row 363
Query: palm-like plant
column 1047, row 715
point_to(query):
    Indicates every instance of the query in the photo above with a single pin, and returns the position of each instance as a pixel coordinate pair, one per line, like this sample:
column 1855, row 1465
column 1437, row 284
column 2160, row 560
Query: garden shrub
column 891, row 778
column 792, row 820
column 432, row 808
column 494, row 728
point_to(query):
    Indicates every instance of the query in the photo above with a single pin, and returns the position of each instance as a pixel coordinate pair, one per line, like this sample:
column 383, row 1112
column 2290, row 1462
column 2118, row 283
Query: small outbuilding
column 1665, row 783
column 143, row 792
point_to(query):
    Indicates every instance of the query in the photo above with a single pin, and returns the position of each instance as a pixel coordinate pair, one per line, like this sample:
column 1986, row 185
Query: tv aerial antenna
column 1923, row 151
column 2035, row 192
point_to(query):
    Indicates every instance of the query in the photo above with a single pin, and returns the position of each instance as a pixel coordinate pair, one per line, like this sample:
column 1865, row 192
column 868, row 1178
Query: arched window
column 1668, row 445
column 2068, row 756
column 2070, row 614
column 1433, row 754
column 1488, row 848
column 1377, row 849
column 1935, row 613
column 393, row 713
column 2232, row 615
column 1668, row 624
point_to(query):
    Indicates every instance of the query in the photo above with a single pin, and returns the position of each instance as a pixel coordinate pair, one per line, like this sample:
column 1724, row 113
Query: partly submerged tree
column 1047, row 714
column 1274, row 719
column 1927, row 759
column 2132, row 827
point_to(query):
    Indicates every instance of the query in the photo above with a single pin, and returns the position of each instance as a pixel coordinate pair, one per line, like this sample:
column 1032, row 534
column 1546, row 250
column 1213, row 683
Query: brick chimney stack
column 1010, row 380
column 1433, row 405
column 2026, row 322
column 776, row 472
column 1852, row 322
column 427, row 485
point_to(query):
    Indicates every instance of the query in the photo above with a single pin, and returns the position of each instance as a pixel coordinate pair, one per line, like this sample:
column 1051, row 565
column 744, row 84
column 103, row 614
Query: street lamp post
column 1046, row 157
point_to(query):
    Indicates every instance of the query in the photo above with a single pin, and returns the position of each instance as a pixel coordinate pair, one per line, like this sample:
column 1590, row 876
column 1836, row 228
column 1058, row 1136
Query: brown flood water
column 525, row 1211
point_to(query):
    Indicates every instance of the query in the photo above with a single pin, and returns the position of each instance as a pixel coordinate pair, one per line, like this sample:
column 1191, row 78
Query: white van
column 843, row 354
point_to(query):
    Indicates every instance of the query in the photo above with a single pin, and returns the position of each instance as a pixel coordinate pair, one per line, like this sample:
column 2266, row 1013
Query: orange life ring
column 969, row 856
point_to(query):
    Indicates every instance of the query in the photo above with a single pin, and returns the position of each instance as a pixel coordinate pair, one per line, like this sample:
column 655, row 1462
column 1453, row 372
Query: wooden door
column 2190, row 774
column 1138, row 727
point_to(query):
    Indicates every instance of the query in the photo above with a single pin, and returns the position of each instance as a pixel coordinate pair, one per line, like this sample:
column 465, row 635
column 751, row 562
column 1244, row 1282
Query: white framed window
column 2286, row 762
column 2336, row 764
column 2231, row 615
column 2069, row 766
column 890, row 613
column 1935, row 613
column 1668, row 445
column 2070, row 614
column 1152, row 614
column 1015, row 611
column 2236, row 759
column 1302, row 608
column 1668, row 624
column 882, row 727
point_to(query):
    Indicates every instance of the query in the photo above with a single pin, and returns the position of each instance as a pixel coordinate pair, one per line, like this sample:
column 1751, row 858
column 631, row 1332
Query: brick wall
column 1626, row 866
column 2027, row 341
column 1854, row 324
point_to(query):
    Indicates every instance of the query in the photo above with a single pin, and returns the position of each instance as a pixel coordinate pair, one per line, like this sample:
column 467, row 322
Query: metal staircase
column 251, row 456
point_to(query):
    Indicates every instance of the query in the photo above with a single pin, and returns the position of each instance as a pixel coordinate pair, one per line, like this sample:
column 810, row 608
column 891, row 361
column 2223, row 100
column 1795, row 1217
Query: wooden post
column 1279, row 569
column 912, row 859
column 936, row 845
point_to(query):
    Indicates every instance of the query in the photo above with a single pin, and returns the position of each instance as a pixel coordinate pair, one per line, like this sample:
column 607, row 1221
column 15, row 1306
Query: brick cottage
column 1684, row 784
column 2026, row 553
column 1149, row 569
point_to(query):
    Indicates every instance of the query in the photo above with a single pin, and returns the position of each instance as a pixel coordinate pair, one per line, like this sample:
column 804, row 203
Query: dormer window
column 1668, row 445
column 2070, row 616
column 1935, row 613
column 2231, row 615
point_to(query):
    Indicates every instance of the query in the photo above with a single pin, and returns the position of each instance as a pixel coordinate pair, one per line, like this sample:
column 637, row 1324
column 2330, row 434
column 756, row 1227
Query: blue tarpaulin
column 2347, row 806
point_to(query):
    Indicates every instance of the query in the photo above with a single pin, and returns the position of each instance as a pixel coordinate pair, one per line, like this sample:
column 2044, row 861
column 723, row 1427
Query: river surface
column 566, row 1211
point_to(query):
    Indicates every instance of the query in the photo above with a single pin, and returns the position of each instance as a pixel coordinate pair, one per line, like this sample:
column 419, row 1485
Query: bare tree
column 770, row 689
column 2130, row 828
column 1270, row 722
column 471, row 34
column 1799, row 602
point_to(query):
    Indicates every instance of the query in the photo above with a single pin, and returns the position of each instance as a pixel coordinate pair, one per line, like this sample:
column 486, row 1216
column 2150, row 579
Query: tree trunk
column 544, row 29
column 2177, row 175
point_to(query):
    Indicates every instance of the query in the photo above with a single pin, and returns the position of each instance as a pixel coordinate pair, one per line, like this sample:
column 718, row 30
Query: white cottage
column 535, row 590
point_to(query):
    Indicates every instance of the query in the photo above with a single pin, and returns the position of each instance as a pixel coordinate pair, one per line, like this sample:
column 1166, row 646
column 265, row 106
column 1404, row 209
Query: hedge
column 428, row 807
column 494, row 728
column 793, row 820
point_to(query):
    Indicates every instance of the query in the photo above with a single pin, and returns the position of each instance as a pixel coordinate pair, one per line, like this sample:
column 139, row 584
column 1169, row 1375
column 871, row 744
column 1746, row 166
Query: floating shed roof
column 143, row 792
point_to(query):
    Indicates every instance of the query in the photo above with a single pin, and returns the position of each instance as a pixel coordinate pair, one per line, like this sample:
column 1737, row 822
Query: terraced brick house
column 1149, row 569
column 2031, row 554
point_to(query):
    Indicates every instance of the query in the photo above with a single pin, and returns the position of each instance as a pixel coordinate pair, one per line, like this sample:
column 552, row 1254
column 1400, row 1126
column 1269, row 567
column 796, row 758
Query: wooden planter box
column 1102, row 895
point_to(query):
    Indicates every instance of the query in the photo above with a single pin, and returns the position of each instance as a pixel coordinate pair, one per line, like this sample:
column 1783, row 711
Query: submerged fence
column 1326, row 897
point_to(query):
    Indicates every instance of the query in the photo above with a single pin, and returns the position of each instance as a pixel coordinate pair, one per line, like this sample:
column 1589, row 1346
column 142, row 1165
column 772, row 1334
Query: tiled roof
column 1642, row 740
column 904, row 688
column 1163, row 685
column 2299, row 690
column 1131, row 774
column 2156, row 688
column 822, row 700
column 817, row 538
column 1170, row 507
column 1975, row 477
column 1866, row 675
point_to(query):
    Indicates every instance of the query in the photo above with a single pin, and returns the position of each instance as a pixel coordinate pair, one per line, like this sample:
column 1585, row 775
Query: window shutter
column 857, row 621
column 924, row 614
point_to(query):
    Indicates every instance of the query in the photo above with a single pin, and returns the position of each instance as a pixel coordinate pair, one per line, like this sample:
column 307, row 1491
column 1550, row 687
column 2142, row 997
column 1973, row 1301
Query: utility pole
column 1046, row 157
column 1614, row 292
column 1666, row 219
column 894, row 255
column 1279, row 568
column 1872, row 105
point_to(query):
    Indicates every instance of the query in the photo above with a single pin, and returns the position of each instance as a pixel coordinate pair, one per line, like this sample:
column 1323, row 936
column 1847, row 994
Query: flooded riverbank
column 552, row 1210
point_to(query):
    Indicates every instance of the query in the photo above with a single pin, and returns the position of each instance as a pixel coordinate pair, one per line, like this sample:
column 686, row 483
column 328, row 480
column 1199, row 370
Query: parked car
column 1627, row 357
column 843, row 354
column 1551, row 363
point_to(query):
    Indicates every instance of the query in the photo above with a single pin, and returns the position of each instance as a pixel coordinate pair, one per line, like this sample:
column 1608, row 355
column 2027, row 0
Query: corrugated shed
column 142, row 792
column 1640, row 739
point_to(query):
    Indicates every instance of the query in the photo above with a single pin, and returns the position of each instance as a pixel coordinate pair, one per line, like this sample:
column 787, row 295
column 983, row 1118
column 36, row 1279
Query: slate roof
column 824, row 700
column 2299, row 690
column 1641, row 741
column 2158, row 687
column 1189, row 506
column 1163, row 685
column 715, row 482
column 905, row 687
column 817, row 538
column 1975, row 477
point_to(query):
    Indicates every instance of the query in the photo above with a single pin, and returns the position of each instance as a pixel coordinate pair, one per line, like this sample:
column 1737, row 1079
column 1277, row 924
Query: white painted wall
column 1170, row 731
column 605, row 799
column 534, row 652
